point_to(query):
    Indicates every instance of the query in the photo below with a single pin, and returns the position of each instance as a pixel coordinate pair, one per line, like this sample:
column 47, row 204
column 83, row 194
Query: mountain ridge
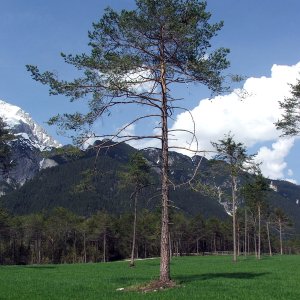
column 23, row 126
column 27, row 148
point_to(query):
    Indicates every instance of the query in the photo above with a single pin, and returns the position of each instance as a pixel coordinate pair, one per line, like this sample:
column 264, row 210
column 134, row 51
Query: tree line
column 61, row 236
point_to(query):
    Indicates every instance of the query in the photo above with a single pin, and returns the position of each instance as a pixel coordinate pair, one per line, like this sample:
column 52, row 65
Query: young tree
column 137, row 58
column 255, row 196
column 138, row 176
column 100, row 225
column 281, row 221
column 237, row 158
column 290, row 122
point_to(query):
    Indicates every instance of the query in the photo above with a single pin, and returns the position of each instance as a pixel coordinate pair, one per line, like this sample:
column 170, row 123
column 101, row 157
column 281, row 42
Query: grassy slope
column 200, row 278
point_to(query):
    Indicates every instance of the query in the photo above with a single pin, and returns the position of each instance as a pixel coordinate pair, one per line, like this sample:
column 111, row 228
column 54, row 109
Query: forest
column 61, row 236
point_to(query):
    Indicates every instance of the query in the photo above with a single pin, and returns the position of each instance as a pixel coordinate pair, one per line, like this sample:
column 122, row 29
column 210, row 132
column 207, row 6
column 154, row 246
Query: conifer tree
column 137, row 58
column 236, row 156
column 290, row 121
column 255, row 196
column 137, row 176
column 281, row 222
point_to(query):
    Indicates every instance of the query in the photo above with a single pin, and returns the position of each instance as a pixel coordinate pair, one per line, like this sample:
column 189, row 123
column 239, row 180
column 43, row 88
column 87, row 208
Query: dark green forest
column 61, row 236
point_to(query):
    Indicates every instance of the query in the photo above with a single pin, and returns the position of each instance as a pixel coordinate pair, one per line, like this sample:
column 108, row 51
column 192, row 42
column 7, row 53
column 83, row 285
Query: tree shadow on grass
column 209, row 276
column 38, row 267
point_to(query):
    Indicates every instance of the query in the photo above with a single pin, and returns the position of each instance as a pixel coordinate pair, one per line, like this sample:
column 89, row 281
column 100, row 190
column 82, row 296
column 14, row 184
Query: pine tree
column 138, row 176
column 236, row 156
column 290, row 121
column 282, row 222
column 137, row 58
column 255, row 196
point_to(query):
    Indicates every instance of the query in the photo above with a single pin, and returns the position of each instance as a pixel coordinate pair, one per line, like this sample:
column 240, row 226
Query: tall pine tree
column 137, row 58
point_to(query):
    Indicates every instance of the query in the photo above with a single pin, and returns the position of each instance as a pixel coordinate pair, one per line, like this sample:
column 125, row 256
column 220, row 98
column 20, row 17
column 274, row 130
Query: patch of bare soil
column 154, row 286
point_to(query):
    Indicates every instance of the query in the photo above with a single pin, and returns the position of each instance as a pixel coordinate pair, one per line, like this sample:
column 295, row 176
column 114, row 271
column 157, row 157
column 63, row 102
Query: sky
column 263, row 36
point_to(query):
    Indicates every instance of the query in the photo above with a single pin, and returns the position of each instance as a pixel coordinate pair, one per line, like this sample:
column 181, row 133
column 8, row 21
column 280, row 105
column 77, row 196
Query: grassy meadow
column 208, row 277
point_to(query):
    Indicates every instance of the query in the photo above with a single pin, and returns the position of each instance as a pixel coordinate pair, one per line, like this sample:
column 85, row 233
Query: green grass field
column 208, row 277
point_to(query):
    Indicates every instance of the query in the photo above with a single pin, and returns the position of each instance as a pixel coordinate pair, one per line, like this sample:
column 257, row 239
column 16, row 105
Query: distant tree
column 178, row 233
column 255, row 198
column 198, row 228
column 290, row 121
column 34, row 226
column 282, row 222
column 213, row 229
column 136, row 60
column 5, row 151
column 236, row 156
column 100, row 226
column 61, row 233
column 5, row 230
column 148, row 232
column 138, row 176
column 268, row 222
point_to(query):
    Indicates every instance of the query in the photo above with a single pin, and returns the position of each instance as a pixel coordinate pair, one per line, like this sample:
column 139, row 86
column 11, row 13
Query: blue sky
column 259, row 33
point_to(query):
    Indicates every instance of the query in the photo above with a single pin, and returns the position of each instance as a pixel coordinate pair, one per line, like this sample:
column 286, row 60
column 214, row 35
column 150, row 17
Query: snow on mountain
column 24, row 126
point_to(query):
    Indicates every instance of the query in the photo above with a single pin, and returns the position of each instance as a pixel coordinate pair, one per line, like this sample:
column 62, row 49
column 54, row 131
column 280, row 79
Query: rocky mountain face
column 28, row 147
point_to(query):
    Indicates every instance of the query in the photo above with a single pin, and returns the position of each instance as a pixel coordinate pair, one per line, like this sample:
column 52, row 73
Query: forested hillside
column 85, row 185
column 74, row 185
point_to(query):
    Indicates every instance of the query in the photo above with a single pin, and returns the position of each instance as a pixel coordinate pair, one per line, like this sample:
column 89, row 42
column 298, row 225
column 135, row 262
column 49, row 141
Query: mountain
column 27, row 149
column 70, row 185
column 23, row 126
column 47, row 175
column 67, row 185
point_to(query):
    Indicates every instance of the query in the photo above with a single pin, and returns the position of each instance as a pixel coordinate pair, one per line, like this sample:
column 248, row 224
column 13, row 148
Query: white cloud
column 290, row 172
column 273, row 164
column 250, row 119
column 140, row 81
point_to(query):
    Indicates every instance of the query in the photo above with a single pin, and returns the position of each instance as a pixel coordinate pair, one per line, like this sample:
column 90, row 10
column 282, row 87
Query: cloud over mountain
column 249, row 114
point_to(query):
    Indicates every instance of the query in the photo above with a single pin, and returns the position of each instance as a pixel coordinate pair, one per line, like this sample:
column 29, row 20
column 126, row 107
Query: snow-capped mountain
column 24, row 126
column 27, row 148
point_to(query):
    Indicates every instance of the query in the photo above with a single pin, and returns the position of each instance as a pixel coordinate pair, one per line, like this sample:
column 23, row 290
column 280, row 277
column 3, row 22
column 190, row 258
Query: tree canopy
column 290, row 121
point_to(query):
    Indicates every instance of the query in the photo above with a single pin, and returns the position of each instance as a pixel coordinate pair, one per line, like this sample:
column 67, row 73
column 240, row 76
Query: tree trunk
column 269, row 241
column 280, row 238
column 134, row 230
column 170, row 243
column 259, row 237
column 238, row 239
column 255, row 245
column 234, row 187
column 245, row 238
column 74, row 248
column 104, row 246
column 84, row 247
column 164, row 245
column 214, row 243
column 39, row 250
